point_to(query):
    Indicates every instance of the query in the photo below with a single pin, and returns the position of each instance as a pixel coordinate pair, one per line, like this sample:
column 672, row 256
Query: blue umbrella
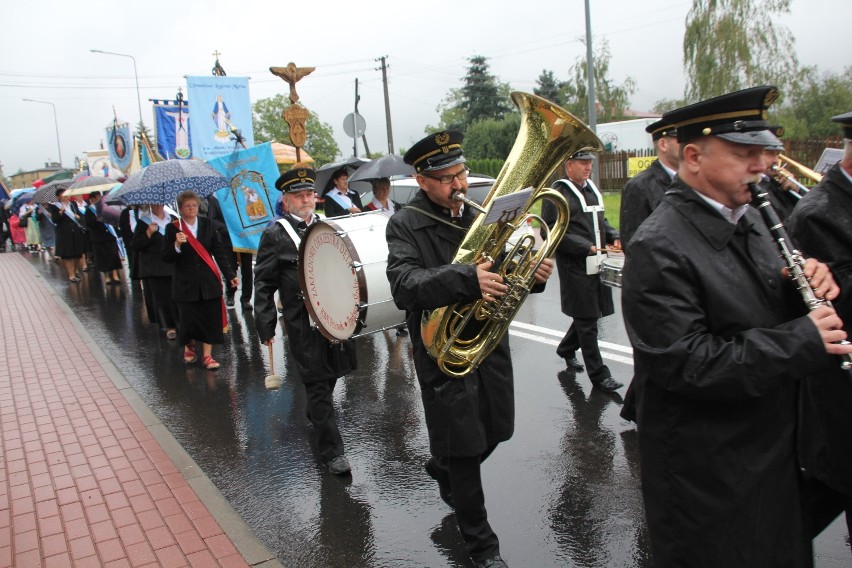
column 162, row 182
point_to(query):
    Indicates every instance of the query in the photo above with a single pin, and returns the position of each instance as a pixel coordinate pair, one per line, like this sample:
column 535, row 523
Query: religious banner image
column 172, row 123
column 220, row 106
column 248, row 202
column 119, row 144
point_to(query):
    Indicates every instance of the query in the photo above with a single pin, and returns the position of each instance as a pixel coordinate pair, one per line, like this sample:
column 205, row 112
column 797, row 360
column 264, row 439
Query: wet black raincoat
column 821, row 225
column 720, row 344
column 464, row 416
column 640, row 196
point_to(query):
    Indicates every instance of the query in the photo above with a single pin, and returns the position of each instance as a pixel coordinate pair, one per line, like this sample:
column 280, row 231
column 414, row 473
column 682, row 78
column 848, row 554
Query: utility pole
column 355, row 129
column 387, row 103
column 590, row 74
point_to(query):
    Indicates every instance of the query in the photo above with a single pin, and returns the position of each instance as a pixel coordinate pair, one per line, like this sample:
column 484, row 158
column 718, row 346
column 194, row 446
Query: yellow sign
column 638, row 165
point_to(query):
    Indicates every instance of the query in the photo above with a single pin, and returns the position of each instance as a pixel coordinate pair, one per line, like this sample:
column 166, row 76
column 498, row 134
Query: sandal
column 189, row 355
column 210, row 363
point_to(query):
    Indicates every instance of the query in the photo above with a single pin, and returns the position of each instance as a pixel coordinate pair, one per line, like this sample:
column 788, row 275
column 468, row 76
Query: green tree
column 491, row 137
column 270, row 127
column 808, row 108
column 481, row 96
column 548, row 87
column 734, row 44
column 665, row 105
column 613, row 99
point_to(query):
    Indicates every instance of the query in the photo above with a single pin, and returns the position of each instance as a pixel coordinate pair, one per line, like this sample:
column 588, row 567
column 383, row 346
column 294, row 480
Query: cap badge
column 442, row 138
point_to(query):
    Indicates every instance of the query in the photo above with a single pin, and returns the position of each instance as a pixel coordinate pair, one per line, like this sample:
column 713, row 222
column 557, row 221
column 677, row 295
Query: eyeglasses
column 448, row 178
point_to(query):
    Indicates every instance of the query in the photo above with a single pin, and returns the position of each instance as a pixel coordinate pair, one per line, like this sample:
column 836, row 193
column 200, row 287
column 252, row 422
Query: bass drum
column 342, row 264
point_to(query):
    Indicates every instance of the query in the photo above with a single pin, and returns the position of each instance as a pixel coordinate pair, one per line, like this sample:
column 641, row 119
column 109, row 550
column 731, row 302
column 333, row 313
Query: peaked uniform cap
column 296, row 179
column 738, row 117
column 660, row 129
column 436, row 151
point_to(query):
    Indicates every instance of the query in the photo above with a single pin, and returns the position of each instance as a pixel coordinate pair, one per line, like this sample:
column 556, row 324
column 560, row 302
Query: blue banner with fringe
column 248, row 201
column 220, row 106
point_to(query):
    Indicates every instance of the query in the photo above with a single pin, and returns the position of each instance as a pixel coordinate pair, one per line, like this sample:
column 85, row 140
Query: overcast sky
column 44, row 55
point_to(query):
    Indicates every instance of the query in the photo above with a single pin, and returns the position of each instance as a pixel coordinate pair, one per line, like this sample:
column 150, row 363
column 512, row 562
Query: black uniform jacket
column 464, row 416
column 98, row 232
column 70, row 241
column 150, row 253
column 640, row 196
column 583, row 295
column 333, row 209
column 193, row 280
column 821, row 225
column 277, row 268
column 720, row 342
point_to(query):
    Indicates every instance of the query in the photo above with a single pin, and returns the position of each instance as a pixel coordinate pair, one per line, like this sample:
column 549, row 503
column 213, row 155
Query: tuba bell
column 460, row 336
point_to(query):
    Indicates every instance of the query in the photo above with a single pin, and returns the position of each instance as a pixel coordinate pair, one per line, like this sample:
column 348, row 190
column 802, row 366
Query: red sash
column 208, row 260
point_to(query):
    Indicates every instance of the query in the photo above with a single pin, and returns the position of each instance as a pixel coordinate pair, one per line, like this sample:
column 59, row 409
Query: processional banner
column 120, row 144
column 246, row 203
column 220, row 105
column 172, row 122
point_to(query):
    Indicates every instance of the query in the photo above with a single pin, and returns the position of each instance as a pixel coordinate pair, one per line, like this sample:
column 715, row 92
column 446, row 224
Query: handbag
column 23, row 221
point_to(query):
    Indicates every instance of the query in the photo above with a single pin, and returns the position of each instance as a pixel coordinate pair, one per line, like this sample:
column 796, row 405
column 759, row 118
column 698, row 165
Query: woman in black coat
column 70, row 243
column 191, row 244
column 147, row 242
column 107, row 258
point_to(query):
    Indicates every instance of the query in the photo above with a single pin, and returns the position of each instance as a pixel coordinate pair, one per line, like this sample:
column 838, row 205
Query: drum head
column 329, row 280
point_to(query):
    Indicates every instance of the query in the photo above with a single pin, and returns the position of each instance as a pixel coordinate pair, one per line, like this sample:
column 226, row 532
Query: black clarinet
column 794, row 259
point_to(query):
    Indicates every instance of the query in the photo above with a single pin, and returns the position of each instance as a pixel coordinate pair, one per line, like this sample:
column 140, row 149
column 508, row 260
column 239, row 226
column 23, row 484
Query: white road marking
column 541, row 334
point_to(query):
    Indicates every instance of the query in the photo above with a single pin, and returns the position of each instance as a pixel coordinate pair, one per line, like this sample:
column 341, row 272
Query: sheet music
column 508, row 207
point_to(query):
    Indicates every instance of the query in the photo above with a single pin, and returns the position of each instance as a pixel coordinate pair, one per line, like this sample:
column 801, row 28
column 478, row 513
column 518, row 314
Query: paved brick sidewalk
column 83, row 481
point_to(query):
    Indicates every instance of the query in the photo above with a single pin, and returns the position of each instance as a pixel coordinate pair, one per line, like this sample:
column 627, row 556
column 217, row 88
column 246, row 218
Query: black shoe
column 443, row 479
column 493, row 562
column 229, row 302
column 401, row 332
column 339, row 465
column 573, row 364
column 607, row 384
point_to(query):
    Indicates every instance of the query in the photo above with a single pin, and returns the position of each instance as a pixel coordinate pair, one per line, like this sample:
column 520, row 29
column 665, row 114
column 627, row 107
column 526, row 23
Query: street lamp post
column 55, row 123
column 135, row 74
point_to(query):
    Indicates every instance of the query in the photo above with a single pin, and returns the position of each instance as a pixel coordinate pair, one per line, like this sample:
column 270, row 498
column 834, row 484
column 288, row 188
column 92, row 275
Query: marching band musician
column 644, row 192
column 721, row 341
column 318, row 362
column 584, row 297
column 781, row 193
column 468, row 417
column 821, row 225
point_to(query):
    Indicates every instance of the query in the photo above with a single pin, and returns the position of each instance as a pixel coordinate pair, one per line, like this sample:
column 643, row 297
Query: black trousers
column 469, row 504
column 246, row 276
column 823, row 505
column 583, row 335
column 320, row 411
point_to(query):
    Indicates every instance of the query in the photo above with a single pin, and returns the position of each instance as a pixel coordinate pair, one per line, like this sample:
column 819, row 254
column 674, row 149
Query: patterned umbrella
column 162, row 182
column 47, row 192
column 90, row 185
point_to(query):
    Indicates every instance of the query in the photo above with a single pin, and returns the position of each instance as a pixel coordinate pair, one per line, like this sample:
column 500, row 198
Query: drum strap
column 290, row 231
column 435, row 217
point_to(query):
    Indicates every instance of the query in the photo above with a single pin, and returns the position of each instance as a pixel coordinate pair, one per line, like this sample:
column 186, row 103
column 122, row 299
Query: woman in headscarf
column 192, row 243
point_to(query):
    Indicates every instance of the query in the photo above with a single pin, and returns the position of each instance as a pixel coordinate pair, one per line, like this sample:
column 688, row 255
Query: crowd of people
column 741, row 405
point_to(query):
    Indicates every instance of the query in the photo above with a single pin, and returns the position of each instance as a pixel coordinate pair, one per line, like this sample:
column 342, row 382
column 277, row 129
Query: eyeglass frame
column 461, row 176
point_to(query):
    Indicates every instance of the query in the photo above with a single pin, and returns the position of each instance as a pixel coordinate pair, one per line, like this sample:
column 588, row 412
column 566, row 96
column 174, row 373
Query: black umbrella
column 162, row 182
column 385, row 167
column 323, row 182
column 47, row 192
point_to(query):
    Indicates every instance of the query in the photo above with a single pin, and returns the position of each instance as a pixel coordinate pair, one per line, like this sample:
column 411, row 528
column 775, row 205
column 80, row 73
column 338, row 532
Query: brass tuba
column 787, row 170
column 459, row 337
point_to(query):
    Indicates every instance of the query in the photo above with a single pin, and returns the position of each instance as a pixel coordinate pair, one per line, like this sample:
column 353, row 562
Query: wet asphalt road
column 563, row 492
